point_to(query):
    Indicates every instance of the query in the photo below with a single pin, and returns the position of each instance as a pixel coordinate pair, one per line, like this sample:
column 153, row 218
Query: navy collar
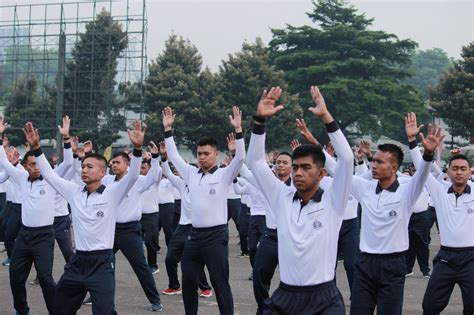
column 212, row 170
column 99, row 190
column 318, row 195
column 467, row 190
column 288, row 181
column 34, row 180
column 391, row 188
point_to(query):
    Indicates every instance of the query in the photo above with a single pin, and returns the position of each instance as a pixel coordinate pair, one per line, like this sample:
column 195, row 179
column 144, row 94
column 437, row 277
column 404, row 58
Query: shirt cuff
column 412, row 144
column 38, row 152
column 239, row 135
column 137, row 152
column 168, row 133
column 155, row 155
column 67, row 145
column 258, row 129
column 332, row 127
column 428, row 157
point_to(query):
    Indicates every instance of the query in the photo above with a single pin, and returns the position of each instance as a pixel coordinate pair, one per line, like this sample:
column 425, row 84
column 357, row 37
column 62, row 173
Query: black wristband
column 258, row 129
column 168, row 133
column 75, row 156
column 164, row 159
column 155, row 155
column 37, row 152
column 259, row 119
column 428, row 157
column 332, row 127
column 137, row 152
column 369, row 158
column 360, row 162
column 239, row 135
column 67, row 145
column 412, row 144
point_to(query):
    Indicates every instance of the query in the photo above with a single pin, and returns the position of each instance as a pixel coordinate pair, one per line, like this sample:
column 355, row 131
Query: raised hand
column 266, row 106
column 64, row 130
column 330, row 149
column 54, row 158
column 75, row 144
column 162, row 150
column 88, row 147
column 294, row 144
column 455, row 151
column 231, row 143
column 365, row 148
column 320, row 109
column 359, row 155
column 304, row 131
column 411, row 126
column 32, row 136
column 433, row 139
column 3, row 125
column 153, row 148
column 168, row 118
column 137, row 135
column 236, row 119
column 226, row 161
column 146, row 155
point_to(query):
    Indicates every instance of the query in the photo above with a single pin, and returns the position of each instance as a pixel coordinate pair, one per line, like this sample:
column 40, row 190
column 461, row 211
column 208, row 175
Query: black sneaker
column 87, row 301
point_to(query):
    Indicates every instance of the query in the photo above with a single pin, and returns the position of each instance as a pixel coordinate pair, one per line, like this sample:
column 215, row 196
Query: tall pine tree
column 357, row 69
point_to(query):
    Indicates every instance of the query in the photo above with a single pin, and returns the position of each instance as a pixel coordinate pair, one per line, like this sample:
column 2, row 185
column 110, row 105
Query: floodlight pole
column 60, row 84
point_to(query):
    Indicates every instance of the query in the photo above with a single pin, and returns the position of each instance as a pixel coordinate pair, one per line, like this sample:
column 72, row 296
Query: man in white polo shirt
column 454, row 204
column 387, row 206
column 307, row 218
column 208, row 240
column 93, row 209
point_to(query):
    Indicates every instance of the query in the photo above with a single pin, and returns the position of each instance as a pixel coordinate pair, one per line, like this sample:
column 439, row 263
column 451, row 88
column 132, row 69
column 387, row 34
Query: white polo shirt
column 307, row 234
column 93, row 214
column 208, row 191
column 131, row 205
column 257, row 204
column 180, row 185
column 455, row 212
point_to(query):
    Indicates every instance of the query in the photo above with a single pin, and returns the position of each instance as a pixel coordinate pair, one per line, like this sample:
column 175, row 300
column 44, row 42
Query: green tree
column 175, row 79
column 242, row 79
column 427, row 67
column 357, row 69
column 89, row 85
column 453, row 97
column 24, row 103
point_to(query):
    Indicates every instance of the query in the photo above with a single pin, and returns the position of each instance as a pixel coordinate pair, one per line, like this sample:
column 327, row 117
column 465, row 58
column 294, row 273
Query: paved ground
column 130, row 298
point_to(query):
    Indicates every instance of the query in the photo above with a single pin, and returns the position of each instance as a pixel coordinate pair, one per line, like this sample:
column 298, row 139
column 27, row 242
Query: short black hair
column 123, row 155
column 207, row 141
column 394, row 150
column 310, row 150
column 26, row 156
column 98, row 157
column 146, row 161
column 284, row 153
column 459, row 157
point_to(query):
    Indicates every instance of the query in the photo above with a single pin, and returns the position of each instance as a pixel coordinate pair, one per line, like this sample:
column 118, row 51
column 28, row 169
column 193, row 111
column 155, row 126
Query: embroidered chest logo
column 100, row 214
column 392, row 213
column 470, row 211
column 212, row 191
column 317, row 225
column 42, row 192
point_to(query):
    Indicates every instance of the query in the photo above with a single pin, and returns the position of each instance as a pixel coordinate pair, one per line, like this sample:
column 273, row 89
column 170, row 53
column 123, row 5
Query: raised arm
column 430, row 143
column 242, row 187
column 123, row 186
column 341, row 185
column 267, row 182
column 173, row 154
column 64, row 187
column 232, row 170
column 154, row 174
column 66, row 164
column 14, row 173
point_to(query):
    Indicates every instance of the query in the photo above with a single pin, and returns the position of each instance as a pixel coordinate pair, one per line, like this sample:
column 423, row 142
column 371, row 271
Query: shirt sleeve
column 67, row 162
column 152, row 177
column 232, row 170
column 64, row 187
column 3, row 177
column 16, row 174
column 267, row 182
column 330, row 164
column 342, row 179
column 242, row 187
column 433, row 186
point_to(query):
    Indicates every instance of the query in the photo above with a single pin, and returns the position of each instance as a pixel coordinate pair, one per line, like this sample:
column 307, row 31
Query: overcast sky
column 218, row 28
